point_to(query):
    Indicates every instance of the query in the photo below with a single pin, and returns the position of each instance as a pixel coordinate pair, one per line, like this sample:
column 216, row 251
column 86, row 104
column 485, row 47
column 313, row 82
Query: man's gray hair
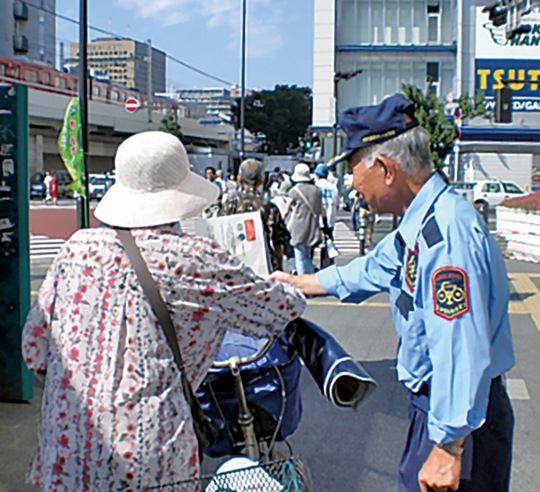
column 251, row 171
column 410, row 150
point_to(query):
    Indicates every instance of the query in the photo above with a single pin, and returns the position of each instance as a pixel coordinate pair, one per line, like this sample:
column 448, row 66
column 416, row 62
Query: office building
column 124, row 61
column 28, row 31
column 209, row 105
column 448, row 44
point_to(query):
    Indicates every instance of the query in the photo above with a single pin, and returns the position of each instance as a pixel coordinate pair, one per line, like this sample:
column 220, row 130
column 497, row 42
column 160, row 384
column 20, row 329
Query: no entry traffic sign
column 132, row 104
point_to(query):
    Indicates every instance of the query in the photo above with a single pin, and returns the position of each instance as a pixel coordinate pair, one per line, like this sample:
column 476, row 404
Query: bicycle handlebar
column 236, row 361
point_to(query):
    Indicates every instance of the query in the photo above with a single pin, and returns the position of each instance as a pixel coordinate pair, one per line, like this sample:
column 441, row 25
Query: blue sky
column 207, row 34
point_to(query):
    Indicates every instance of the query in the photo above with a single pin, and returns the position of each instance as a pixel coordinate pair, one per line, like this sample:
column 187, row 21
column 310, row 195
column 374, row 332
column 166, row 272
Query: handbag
column 206, row 434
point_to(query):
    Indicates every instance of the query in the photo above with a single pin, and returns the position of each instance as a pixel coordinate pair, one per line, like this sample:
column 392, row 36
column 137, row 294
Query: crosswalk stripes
column 344, row 239
column 43, row 247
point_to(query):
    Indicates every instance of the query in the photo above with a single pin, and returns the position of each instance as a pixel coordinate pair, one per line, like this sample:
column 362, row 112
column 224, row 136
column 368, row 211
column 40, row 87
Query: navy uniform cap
column 368, row 125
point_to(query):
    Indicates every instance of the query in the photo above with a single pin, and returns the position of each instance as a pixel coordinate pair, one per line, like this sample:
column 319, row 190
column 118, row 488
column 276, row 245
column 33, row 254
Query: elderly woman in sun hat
column 302, row 216
column 114, row 416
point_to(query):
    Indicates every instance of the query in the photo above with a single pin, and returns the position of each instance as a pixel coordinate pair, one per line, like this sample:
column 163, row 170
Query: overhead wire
column 118, row 36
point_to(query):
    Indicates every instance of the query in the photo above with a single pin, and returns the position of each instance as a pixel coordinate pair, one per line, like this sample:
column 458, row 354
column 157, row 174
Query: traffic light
column 503, row 105
column 497, row 13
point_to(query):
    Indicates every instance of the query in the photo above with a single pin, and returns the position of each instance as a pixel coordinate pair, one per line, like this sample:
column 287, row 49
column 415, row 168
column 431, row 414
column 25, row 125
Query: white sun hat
column 154, row 184
column 302, row 173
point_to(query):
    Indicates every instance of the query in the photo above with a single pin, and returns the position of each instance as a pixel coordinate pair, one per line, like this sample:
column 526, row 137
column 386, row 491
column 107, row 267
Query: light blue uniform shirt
column 448, row 290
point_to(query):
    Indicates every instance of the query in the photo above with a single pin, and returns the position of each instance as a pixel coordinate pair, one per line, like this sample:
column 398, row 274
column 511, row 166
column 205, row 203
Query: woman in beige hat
column 114, row 416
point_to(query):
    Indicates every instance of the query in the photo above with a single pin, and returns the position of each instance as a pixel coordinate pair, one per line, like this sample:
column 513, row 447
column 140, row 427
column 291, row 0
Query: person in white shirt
column 47, row 182
column 330, row 197
column 330, row 200
column 281, row 198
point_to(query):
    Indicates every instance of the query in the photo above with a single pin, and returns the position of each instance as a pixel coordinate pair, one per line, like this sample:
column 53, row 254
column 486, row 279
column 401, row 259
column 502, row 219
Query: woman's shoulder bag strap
column 203, row 428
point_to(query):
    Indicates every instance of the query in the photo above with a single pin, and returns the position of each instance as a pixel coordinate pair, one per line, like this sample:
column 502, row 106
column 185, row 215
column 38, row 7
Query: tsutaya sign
column 499, row 59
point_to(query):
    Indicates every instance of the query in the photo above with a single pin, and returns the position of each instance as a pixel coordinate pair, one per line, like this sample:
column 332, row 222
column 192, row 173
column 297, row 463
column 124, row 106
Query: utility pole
column 61, row 60
column 149, row 87
column 243, row 87
column 83, row 215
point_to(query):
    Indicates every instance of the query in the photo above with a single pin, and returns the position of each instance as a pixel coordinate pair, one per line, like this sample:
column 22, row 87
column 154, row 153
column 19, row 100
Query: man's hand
column 281, row 277
column 308, row 284
column 440, row 472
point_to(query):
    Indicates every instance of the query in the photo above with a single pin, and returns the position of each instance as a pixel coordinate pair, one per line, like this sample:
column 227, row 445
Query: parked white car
column 489, row 194
column 97, row 186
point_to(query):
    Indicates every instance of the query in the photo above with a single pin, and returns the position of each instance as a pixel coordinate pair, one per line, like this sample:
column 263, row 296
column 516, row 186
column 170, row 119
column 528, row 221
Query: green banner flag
column 70, row 146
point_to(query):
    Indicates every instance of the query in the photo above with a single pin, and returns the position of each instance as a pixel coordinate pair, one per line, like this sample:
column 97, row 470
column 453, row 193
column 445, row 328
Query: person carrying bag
column 118, row 410
column 303, row 214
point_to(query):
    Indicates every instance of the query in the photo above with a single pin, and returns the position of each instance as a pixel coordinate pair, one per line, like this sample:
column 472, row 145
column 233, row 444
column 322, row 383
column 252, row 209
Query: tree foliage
column 282, row 114
column 170, row 125
column 430, row 113
column 472, row 107
column 443, row 130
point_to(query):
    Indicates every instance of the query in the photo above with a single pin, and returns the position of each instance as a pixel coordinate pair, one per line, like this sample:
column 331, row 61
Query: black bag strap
column 156, row 302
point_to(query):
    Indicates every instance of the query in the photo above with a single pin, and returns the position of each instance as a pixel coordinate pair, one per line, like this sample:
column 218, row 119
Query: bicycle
column 246, row 429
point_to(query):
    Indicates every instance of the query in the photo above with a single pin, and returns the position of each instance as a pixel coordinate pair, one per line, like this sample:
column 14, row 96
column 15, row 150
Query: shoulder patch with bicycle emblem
column 411, row 267
column 450, row 292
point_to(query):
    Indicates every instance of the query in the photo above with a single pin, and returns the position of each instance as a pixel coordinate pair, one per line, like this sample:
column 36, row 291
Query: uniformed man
column 448, row 290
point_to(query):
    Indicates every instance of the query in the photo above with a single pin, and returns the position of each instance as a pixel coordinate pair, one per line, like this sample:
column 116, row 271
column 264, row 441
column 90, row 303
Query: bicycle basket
column 287, row 475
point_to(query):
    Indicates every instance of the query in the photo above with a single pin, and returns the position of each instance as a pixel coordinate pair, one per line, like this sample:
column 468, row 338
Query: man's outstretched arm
column 308, row 284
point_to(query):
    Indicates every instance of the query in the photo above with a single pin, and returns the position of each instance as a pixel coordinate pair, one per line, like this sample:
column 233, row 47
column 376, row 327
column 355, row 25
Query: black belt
column 424, row 389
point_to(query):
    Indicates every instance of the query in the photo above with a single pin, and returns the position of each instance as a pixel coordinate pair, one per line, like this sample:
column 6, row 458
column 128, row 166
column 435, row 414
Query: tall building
column 210, row 105
column 28, row 30
column 451, row 43
column 124, row 61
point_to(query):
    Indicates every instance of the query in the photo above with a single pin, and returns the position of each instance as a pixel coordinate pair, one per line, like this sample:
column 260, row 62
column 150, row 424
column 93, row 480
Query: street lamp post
column 338, row 76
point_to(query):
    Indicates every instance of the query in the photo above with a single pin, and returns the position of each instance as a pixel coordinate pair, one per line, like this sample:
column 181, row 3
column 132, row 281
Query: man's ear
column 389, row 167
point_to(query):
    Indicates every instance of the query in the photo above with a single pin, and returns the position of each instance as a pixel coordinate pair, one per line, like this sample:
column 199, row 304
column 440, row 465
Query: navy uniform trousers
column 487, row 454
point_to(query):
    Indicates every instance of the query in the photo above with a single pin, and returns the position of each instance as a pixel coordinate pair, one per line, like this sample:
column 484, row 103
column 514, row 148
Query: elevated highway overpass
column 108, row 125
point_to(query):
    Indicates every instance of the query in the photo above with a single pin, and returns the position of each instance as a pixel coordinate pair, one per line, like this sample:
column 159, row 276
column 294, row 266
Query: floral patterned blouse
column 114, row 416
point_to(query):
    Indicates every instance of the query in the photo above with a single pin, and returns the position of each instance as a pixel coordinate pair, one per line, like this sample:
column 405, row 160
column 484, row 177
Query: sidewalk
column 18, row 435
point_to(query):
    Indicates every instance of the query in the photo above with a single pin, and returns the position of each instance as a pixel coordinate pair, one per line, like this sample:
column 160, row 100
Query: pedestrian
column 330, row 200
column 213, row 209
column 449, row 297
column 365, row 218
column 330, row 197
column 277, row 180
column 248, row 198
column 302, row 217
column 220, row 180
column 333, row 178
column 337, row 180
column 53, row 188
column 282, row 197
column 114, row 415
column 229, row 186
column 348, row 198
column 47, row 182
